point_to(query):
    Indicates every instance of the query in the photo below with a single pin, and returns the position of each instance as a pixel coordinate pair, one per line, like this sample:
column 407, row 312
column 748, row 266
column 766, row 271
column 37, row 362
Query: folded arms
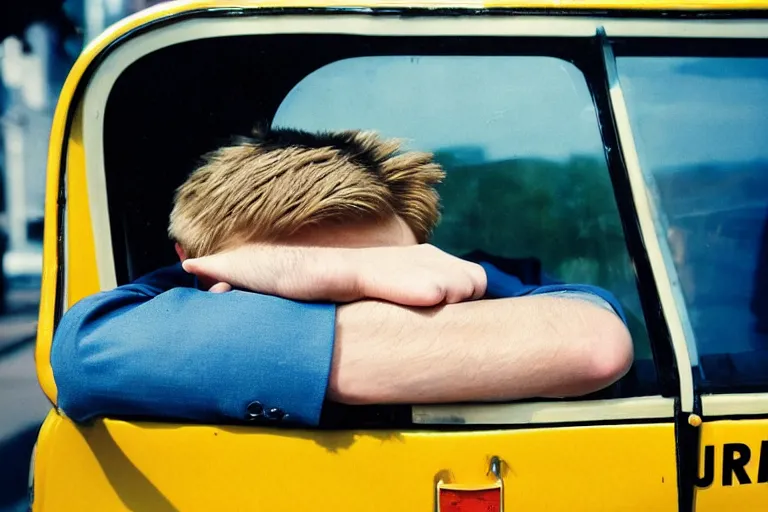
column 161, row 348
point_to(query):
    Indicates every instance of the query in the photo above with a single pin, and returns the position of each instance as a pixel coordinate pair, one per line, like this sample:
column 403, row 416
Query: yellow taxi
column 622, row 143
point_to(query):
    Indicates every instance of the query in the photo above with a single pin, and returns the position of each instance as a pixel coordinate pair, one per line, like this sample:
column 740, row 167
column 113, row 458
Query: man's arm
column 551, row 342
column 503, row 349
column 414, row 275
column 161, row 348
column 155, row 349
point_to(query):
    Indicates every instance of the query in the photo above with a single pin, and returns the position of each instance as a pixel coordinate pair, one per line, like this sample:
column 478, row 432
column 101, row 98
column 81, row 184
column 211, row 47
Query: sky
column 510, row 106
column 697, row 110
column 684, row 110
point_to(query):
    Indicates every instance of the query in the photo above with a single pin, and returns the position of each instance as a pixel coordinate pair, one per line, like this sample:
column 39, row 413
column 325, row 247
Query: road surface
column 22, row 404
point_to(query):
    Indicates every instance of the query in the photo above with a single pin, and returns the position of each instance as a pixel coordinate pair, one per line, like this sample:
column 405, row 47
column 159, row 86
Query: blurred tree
column 564, row 213
column 561, row 212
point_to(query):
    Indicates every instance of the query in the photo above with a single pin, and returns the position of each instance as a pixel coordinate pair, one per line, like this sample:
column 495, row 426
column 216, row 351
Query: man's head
column 348, row 188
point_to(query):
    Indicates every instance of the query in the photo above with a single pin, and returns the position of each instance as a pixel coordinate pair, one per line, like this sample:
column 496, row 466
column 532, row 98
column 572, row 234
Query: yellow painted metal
column 751, row 497
column 519, row 4
column 49, row 278
column 117, row 466
column 81, row 254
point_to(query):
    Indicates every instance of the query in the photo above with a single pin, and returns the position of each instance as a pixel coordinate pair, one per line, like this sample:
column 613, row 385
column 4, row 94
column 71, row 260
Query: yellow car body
column 638, row 453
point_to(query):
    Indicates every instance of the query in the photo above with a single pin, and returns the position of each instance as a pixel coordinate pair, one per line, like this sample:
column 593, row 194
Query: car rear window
column 519, row 139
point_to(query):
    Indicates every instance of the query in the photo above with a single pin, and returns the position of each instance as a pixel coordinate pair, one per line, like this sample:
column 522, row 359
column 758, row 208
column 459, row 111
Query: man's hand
column 220, row 288
column 417, row 275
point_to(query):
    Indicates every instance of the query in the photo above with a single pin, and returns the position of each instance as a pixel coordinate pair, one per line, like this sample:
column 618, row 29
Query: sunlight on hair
column 268, row 186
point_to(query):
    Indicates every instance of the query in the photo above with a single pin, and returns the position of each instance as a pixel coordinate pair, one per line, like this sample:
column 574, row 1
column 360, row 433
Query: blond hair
column 267, row 187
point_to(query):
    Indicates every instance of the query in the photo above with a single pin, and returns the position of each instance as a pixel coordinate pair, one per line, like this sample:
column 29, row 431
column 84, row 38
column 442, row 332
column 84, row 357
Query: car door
column 697, row 110
column 521, row 110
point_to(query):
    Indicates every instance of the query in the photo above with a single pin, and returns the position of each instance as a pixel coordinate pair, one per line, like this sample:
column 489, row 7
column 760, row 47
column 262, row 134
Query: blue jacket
column 161, row 348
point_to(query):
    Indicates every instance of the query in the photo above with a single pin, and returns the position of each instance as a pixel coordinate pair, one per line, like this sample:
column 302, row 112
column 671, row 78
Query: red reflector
column 482, row 500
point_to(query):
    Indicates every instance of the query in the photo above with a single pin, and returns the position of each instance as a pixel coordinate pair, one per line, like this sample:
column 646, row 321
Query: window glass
column 519, row 139
column 700, row 126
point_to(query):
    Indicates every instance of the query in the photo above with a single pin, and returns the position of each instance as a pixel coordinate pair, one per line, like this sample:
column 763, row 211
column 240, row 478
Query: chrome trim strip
column 742, row 404
column 65, row 236
column 659, row 254
column 719, row 29
column 647, row 407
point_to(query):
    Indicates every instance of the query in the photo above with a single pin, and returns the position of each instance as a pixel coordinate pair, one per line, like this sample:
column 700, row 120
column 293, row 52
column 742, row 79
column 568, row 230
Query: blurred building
column 35, row 56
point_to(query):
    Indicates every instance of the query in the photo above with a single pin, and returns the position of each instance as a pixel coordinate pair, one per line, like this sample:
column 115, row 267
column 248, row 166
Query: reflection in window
column 518, row 137
column 700, row 125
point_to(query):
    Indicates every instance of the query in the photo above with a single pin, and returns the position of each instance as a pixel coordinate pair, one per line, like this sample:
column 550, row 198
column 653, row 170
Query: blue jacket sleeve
column 502, row 285
column 161, row 348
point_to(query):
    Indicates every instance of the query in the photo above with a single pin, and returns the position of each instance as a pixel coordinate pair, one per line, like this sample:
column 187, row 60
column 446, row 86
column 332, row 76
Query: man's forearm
column 502, row 349
column 415, row 275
